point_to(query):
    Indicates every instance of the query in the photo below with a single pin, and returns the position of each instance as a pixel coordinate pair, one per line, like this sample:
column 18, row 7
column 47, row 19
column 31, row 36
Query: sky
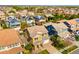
column 39, row 2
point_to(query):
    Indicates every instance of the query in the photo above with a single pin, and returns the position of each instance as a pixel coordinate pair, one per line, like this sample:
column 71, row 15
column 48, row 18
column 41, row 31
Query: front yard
column 28, row 49
column 44, row 52
column 69, row 49
column 59, row 43
column 77, row 37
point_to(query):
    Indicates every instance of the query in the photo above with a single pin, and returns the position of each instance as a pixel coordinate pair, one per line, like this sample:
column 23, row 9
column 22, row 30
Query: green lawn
column 77, row 37
column 26, row 52
column 44, row 52
column 61, row 44
column 69, row 49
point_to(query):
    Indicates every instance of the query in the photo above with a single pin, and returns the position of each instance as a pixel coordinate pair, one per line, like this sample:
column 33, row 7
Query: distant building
column 2, row 15
column 39, row 20
column 49, row 16
column 12, row 22
column 28, row 19
column 22, row 13
column 10, row 42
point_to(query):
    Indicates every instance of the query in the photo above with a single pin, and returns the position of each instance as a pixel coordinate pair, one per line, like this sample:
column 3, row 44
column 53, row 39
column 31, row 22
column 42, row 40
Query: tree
column 19, row 7
column 29, row 47
column 57, row 42
column 23, row 25
column 3, row 24
column 77, row 37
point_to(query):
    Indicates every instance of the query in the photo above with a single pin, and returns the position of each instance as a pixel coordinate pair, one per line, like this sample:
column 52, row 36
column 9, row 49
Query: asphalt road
column 75, row 52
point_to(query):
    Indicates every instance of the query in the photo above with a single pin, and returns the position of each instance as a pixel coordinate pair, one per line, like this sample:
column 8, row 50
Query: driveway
column 51, row 49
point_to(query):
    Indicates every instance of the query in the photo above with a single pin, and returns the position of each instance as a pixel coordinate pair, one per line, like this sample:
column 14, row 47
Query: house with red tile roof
column 73, row 23
column 10, row 42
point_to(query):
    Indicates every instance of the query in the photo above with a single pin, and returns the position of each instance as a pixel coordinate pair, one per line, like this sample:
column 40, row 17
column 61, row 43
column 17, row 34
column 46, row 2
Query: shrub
column 69, row 49
column 44, row 52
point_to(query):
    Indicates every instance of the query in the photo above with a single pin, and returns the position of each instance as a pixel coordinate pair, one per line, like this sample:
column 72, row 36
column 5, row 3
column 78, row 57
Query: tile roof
column 72, row 22
column 8, row 37
column 59, row 26
column 36, row 29
column 13, row 51
column 76, row 28
column 2, row 13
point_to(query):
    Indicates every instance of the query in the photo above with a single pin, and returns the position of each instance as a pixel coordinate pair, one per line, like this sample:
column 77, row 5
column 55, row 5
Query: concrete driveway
column 51, row 49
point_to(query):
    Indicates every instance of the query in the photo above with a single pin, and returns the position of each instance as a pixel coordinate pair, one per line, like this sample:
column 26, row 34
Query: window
column 78, row 25
column 42, row 34
column 16, row 44
column 13, row 45
column 36, row 38
column 73, row 26
column 1, row 48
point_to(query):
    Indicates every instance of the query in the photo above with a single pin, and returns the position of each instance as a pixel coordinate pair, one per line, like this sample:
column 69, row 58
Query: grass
column 62, row 44
column 26, row 52
column 69, row 49
column 29, row 47
column 44, row 52
column 77, row 37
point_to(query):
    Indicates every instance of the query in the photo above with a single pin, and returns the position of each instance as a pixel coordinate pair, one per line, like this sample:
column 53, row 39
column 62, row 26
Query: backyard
column 59, row 43
column 69, row 49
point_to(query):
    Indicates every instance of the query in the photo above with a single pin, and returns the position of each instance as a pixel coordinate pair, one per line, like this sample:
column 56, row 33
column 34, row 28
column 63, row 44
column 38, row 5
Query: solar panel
column 67, row 24
column 38, row 17
column 77, row 20
column 51, row 30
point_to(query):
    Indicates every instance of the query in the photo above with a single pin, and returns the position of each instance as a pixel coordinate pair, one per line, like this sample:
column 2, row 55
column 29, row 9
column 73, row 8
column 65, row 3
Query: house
column 21, row 13
column 11, row 43
column 61, row 29
column 71, row 24
column 2, row 15
column 51, row 30
column 39, row 20
column 57, row 29
column 77, row 20
column 38, row 35
column 28, row 19
column 49, row 16
column 31, row 13
column 77, row 26
column 10, row 11
column 12, row 22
